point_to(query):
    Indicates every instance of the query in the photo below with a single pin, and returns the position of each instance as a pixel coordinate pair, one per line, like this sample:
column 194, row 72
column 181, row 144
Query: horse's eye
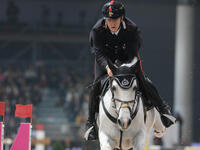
column 113, row 88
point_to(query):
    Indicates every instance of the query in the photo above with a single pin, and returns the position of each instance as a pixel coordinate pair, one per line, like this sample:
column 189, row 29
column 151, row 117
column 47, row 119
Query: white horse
column 121, row 120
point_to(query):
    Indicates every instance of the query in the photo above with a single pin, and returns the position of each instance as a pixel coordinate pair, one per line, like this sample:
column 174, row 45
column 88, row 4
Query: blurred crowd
column 17, row 86
column 25, row 85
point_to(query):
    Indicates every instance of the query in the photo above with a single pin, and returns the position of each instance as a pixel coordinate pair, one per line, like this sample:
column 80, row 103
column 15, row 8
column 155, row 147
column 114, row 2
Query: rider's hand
column 109, row 71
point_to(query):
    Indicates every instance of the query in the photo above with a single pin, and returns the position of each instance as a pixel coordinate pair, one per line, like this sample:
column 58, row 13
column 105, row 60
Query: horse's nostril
column 119, row 122
column 129, row 122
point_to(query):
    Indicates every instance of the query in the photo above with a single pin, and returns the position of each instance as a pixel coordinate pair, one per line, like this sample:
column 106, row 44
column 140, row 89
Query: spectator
column 59, row 19
column 12, row 13
column 45, row 16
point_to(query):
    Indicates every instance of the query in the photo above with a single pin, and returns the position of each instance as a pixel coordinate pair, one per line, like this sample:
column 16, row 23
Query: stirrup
column 170, row 117
column 167, row 120
column 91, row 134
column 87, row 133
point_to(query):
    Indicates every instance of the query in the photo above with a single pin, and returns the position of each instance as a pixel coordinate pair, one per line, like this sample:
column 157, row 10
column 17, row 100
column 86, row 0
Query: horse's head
column 124, row 87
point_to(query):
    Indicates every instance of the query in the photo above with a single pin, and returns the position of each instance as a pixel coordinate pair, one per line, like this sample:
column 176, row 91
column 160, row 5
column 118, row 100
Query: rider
column 117, row 39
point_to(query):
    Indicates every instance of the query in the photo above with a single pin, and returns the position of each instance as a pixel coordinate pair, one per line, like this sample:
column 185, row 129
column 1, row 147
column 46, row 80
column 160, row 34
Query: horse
column 122, row 121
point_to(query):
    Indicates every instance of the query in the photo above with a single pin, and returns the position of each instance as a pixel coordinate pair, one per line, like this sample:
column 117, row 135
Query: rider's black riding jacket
column 123, row 47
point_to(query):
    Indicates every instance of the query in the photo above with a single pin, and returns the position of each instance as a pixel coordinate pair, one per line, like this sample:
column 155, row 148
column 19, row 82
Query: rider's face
column 113, row 24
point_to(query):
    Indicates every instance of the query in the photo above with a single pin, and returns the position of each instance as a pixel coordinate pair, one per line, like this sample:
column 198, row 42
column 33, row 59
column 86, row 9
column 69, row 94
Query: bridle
column 124, row 104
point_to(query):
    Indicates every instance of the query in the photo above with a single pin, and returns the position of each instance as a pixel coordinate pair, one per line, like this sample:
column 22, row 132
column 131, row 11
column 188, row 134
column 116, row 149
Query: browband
column 125, row 81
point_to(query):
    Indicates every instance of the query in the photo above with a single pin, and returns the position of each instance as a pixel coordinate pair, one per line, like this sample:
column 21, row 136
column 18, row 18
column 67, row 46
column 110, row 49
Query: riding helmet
column 113, row 9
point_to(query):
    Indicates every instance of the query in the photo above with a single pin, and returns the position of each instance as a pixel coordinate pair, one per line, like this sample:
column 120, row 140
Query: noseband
column 125, row 81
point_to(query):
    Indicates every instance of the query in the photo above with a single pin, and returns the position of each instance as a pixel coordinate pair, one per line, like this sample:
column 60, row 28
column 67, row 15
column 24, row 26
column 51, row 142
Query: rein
column 123, row 104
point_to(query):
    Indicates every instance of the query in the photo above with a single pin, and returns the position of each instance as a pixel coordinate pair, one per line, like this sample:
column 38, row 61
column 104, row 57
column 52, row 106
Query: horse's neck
column 140, row 117
column 140, row 109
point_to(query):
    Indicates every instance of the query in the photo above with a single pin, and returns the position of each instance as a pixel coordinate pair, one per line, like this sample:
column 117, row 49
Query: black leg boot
column 163, row 108
column 149, row 91
column 91, row 133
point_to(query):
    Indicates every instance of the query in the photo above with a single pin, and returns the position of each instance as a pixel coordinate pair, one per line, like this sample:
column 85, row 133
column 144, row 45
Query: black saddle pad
column 147, row 104
column 104, row 85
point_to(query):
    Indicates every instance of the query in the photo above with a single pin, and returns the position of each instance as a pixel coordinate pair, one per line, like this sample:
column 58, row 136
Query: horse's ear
column 112, row 67
column 134, row 68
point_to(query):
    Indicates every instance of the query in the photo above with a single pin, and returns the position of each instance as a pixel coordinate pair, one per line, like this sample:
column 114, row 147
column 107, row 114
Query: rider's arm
column 135, row 46
column 134, row 43
column 96, row 40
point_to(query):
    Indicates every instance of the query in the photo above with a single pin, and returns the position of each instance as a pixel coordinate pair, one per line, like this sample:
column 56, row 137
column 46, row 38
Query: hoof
column 159, row 134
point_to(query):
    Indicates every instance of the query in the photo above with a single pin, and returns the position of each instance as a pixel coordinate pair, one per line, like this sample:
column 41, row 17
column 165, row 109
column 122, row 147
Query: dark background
column 57, row 31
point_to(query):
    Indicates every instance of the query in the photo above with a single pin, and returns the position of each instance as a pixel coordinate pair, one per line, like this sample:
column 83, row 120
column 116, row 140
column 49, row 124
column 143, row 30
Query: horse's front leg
column 159, row 128
column 139, row 140
column 105, row 142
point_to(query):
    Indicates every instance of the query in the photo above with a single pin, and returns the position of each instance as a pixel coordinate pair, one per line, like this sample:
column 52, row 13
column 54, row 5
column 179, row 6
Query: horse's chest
column 127, row 140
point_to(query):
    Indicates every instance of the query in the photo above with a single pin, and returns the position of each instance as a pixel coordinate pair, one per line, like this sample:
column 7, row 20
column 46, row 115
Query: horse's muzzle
column 124, row 124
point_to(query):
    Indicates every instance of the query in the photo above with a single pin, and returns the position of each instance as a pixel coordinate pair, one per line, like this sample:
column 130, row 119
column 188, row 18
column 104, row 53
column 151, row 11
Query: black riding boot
column 150, row 92
column 91, row 133
column 162, row 107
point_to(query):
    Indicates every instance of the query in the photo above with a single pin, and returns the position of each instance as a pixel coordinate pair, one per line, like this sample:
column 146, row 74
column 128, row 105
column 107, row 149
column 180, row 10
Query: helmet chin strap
column 106, row 25
column 123, row 23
